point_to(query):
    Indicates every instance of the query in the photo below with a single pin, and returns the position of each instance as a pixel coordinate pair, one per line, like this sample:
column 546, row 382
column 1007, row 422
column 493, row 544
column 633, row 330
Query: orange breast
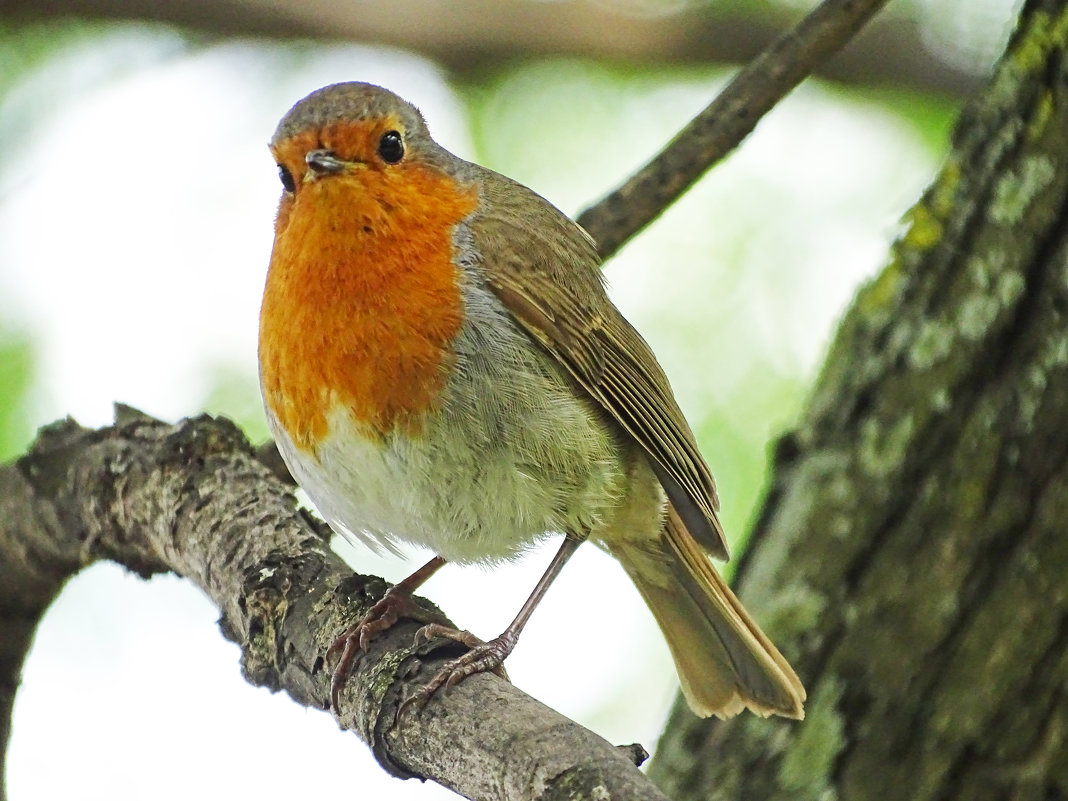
column 362, row 300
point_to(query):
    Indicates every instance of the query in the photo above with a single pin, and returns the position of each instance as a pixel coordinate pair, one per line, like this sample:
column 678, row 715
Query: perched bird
column 441, row 365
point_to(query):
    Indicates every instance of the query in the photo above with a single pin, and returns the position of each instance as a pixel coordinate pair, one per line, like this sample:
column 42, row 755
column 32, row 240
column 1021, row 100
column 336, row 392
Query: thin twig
column 718, row 129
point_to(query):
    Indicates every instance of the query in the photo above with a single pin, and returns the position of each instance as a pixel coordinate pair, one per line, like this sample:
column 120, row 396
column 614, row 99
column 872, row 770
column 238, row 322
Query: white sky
column 135, row 227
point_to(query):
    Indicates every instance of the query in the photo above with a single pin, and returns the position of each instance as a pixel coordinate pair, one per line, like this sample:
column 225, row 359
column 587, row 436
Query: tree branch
column 479, row 35
column 726, row 121
column 192, row 498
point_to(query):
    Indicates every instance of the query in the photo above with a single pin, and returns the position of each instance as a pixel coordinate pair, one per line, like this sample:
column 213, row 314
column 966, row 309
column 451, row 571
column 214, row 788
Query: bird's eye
column 286, row 177
column 391, row 147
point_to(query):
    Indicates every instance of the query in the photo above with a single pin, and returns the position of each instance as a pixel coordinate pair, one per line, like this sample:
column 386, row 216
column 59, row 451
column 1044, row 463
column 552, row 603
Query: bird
column 441, row 366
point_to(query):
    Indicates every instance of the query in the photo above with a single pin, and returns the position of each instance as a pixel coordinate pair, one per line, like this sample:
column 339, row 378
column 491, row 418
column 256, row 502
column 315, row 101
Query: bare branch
column 725, row 122
column 192, row 498
column 477, row 35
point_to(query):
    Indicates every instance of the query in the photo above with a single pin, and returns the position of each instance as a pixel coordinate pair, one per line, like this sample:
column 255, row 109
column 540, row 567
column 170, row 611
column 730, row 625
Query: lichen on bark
column 911, row 554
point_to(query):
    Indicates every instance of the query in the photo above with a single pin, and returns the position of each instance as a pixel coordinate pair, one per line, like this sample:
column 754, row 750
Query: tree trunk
column 912, row 555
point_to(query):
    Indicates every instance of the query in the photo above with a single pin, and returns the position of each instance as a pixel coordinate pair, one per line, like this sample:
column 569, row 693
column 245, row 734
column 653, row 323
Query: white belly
column 511, row 456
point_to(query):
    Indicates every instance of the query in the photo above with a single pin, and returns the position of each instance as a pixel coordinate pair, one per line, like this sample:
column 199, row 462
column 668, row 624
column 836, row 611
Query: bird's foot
column 395, row 604
column 482, row 657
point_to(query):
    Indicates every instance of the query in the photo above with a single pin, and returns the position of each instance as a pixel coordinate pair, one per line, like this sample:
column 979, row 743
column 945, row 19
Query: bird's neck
column 362, row 302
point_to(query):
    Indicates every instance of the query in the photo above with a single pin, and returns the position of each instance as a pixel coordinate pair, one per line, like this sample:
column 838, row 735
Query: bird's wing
column 545, row 269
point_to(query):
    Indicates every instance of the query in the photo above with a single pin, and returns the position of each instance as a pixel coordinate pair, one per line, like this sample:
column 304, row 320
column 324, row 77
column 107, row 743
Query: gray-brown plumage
column 530, row 405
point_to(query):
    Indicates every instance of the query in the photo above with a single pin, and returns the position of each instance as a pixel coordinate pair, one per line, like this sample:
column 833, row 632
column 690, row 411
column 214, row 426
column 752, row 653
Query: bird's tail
column 724, row 661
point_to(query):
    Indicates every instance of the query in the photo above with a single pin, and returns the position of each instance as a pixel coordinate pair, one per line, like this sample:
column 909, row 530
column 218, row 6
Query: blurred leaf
column 17, row 371
column 931, row 116
column 737, row 439
column 235, row 394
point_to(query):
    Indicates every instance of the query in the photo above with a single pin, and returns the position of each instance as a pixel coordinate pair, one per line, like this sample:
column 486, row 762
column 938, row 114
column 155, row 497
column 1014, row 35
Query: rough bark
column 912, row 554
column 193, row 498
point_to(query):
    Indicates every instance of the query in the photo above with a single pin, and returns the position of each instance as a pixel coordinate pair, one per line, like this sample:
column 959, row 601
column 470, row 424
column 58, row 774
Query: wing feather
column 546, row 271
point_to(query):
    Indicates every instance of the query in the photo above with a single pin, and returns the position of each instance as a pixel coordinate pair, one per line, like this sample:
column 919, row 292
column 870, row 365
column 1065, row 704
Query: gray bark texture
column 912, row 555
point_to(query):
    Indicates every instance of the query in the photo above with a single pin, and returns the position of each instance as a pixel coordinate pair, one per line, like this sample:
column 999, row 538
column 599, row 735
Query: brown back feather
column 546, row 271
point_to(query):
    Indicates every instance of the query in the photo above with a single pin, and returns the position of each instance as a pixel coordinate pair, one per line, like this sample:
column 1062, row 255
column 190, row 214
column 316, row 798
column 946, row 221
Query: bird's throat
column 363, row 301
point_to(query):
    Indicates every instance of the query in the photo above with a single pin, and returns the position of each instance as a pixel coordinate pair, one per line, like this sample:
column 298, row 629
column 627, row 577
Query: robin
column 441, row 365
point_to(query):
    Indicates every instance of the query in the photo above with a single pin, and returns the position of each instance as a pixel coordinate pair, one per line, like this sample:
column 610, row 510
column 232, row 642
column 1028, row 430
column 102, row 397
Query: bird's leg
column 395, row 604
column 488, row 656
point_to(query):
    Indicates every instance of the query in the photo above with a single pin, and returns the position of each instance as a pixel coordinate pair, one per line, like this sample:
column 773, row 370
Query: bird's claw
column 482, row 657
column 381, row 617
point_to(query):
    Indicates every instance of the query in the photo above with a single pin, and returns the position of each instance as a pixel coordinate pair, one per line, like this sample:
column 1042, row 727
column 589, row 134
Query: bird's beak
column 324, row 162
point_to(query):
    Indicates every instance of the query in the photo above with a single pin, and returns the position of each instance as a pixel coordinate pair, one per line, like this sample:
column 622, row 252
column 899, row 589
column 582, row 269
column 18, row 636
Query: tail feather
column 724, row 661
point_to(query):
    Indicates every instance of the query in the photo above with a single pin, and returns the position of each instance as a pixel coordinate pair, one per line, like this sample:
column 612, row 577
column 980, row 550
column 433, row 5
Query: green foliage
column 16, row 377
column 735, row 438
column 930, row 116
column 234, row 394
